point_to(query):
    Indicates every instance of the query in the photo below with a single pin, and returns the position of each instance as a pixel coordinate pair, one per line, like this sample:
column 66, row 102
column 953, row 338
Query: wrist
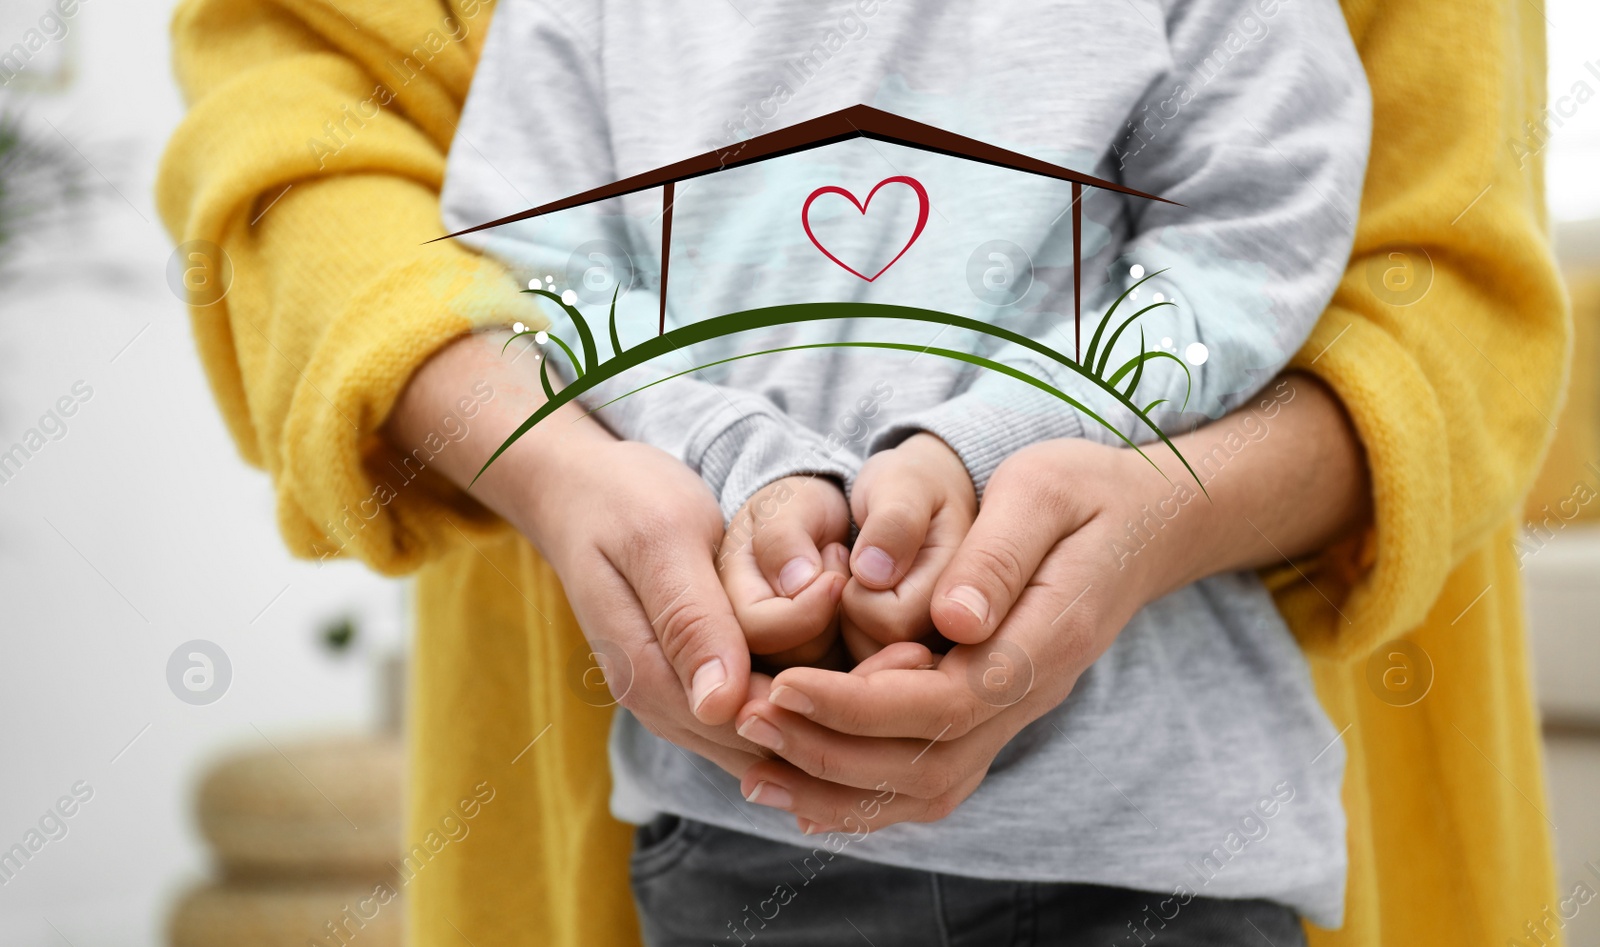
column 942, row 462
column 1166, row 527
column 518, row 484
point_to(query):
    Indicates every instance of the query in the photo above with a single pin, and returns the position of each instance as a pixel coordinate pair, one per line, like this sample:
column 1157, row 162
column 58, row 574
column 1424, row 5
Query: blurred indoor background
column 134, row 531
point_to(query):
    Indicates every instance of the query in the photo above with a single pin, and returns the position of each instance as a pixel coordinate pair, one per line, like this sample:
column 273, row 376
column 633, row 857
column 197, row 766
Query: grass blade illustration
column 591, row 355
column 768, row 317
column 616, row 341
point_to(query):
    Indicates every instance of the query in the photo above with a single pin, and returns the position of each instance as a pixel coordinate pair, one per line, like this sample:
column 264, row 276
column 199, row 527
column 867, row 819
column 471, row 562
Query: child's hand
column 784, row 567
column 915, row 504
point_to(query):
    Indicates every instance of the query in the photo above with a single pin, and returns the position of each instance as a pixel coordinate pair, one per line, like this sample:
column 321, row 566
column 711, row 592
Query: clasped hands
column 1023, row 593
column 1031, row 586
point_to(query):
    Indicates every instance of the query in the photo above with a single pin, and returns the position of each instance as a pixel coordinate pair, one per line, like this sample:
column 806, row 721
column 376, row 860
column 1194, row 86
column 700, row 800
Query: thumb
column 1011, row 536
column 687, row 608
column 792, row 522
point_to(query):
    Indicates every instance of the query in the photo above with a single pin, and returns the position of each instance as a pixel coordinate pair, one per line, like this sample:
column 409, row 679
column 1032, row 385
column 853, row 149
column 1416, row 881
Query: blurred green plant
column 340, row 634
column 39, row 177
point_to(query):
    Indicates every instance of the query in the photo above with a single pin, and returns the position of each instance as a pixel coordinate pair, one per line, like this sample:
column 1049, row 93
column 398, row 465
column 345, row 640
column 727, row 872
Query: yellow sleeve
column 1448, row 337
column 312, row 156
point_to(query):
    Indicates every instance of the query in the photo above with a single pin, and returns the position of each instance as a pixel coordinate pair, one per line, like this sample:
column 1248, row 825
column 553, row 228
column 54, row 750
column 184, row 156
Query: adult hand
column 1052, row 593
column 629, row 530
column 1052, row 600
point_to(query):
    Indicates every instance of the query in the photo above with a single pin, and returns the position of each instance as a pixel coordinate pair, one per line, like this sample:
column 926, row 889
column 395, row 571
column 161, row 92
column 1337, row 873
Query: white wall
column 1573, row 151
column 160, row 534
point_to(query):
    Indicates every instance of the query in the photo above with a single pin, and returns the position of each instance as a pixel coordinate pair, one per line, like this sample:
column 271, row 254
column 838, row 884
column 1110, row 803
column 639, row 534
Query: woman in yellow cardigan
column 312, row 157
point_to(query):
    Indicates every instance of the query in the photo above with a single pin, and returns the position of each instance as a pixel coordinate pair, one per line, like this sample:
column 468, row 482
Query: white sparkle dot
column 1136, row 271
column 569, row 297
column 541, row 337
column 519, row 328
column 1158, row 297
column 535, row 284
column 1166, row 341
column 550, row 279
column 1134, row 294
column 1196, row 353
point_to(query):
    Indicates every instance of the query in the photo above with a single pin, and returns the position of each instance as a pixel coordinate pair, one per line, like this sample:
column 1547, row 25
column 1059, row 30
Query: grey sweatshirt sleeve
column 515, row 141
column 1260, row 133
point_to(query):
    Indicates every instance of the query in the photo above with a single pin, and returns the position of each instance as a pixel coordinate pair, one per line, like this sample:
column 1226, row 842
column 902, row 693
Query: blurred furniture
column 1561, row 563
column 303, row 836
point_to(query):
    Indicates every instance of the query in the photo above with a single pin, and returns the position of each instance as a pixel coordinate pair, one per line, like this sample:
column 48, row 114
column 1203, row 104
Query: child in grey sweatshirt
column 1251, row 115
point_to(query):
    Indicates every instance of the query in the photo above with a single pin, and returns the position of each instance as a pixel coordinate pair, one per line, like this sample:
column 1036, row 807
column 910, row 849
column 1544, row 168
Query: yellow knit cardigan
column 313, row 154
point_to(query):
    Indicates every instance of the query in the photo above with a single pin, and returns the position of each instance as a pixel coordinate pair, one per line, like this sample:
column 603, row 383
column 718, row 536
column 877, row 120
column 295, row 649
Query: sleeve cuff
column 986, row 424
column 760, row 448
column 1380, row 584
column 343, row 490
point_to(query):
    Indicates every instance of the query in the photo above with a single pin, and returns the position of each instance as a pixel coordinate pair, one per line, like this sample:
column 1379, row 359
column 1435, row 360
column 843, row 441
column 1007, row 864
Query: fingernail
column 770, row 794
column 970, row 599
column 761, row 733
column 707, row 679
column 790, row 699
column 875, row 566
column 807, row 827
column 796, row 574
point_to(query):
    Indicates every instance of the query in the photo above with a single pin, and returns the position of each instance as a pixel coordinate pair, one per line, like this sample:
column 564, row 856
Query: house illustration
column 857, row 121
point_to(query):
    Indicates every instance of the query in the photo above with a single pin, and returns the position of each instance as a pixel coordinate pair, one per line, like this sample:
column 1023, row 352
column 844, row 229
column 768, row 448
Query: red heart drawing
column 922, row 219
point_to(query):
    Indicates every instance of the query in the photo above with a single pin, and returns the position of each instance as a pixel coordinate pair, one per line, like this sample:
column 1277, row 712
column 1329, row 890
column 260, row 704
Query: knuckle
column 680, row 629
column 821, row 764
column 852, row 718
column 961, row 718
column 892, row 524
column 939, row 807
column 904, row 622
column 1000, row 558
column 929, row 782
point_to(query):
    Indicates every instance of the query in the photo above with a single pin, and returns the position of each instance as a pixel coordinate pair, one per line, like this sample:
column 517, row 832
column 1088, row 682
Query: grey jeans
column 700, row 885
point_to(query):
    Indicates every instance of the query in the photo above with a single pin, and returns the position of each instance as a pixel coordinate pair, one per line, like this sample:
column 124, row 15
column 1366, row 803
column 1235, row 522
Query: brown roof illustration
column 857, row 121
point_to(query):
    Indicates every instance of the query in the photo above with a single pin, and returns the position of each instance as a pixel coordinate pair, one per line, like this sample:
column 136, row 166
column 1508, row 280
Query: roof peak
column 855, row 121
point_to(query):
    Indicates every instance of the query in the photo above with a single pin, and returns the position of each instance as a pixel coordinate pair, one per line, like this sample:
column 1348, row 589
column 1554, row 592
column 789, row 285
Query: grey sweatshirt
column 1159, row 770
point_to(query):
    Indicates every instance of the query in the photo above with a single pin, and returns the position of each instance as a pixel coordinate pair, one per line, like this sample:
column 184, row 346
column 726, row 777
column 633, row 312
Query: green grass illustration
column 591, row 371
